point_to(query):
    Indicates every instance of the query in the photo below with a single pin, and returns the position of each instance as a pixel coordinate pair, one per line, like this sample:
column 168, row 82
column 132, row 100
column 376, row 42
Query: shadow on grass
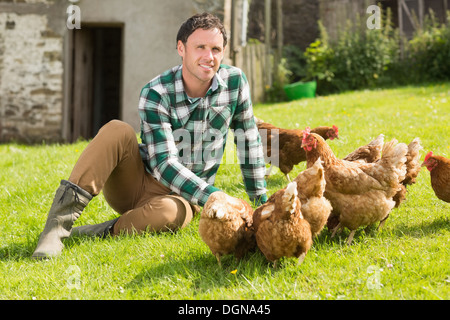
column 202, row 273
column 437, row 226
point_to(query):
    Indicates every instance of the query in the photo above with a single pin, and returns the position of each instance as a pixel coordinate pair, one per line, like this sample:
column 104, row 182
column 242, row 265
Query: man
column 152, row 185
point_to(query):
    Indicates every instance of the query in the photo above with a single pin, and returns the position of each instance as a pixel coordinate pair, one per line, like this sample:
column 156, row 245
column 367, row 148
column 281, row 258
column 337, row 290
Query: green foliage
column 319, row 59
column 429, row 50
column 369, row 58
column 295, row 62
column 357, row 59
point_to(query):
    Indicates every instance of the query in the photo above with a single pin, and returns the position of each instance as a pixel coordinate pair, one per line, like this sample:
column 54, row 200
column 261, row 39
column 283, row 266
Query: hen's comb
column 429, row 154
column 336, row 129
column 306, row 132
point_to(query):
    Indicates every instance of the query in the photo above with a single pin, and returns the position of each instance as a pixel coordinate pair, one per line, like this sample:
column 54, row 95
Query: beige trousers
column 112, row 163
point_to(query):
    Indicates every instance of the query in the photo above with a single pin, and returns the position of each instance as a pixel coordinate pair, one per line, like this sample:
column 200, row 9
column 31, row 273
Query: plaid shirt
column 183, row 139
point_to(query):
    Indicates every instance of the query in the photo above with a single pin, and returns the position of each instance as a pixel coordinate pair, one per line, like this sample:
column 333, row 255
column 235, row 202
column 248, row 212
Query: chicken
column 360, row 193
column 370, row 152
column 226, row 225
column 280, row 229
column 287, row 151
column 439, row 168
column 412, row 171
column 315, row 207
column 412, row 162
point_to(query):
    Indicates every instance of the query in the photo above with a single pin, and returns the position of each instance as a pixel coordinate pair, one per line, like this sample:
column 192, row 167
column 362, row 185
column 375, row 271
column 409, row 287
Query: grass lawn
column 408, row 259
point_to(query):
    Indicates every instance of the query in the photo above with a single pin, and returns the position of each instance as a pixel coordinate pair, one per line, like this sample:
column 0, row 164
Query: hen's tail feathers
column 413, row 162
column 319, row 173
column 317, row 166
column 290, row 197
column 378, row 141
column 394, row 153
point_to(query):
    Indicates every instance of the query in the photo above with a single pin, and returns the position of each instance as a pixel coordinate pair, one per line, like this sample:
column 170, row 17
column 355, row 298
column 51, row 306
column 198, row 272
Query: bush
column 429, row 51
column 367, row 58
column 295, row 62
column 359, row 58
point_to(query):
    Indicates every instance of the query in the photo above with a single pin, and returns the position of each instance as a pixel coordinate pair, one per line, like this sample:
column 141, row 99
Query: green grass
column 409, row 258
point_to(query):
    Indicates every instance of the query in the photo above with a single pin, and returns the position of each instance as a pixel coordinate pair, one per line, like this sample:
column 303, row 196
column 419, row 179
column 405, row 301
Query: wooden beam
column 400, row 26
column 227, row 25
column 445, row 10
column 408, row 14
column 421, row 12
column 268, row 27
column 279, row 28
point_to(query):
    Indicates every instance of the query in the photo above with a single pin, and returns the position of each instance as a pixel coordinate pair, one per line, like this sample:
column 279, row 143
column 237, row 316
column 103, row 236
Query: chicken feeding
column 280, row 229
column 360, row 193
column 439, row 168
column 226, row 226
column 315, row 207
column 372, row 152
column 288, row 151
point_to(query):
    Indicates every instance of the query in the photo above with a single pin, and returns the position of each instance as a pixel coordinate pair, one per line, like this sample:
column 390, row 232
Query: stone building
column 58, row 83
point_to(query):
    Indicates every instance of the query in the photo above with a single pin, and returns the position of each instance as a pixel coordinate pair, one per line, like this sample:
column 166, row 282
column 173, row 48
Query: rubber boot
column 69, row 202
column 101, row 230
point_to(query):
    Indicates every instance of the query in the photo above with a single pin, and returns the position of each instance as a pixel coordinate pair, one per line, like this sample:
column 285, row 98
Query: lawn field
column 408, row 259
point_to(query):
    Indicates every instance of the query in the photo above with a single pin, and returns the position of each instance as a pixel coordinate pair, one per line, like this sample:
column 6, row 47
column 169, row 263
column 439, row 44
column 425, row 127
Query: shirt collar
column 180, row 93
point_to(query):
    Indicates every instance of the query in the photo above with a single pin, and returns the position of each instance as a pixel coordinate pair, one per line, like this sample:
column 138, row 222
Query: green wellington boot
column 69, row 202
column 101, row 230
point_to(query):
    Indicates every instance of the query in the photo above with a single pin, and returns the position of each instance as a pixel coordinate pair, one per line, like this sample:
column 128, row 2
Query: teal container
column 299, row 90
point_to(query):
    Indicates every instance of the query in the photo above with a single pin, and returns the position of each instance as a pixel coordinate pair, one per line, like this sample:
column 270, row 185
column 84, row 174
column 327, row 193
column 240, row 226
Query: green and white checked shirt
column 183, row 139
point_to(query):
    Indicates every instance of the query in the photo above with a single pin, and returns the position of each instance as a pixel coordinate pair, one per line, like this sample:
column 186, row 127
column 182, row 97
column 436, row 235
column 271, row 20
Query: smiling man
column 157, row 185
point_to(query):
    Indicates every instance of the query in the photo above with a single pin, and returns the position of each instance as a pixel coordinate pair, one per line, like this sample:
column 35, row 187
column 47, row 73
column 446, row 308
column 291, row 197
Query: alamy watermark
column 74, row 16
column 73, row 273
column 374, row 21
column 373, row 282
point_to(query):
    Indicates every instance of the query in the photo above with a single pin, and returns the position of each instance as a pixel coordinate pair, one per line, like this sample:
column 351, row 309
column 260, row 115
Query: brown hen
column 439, row 168
column 315, row 207
column 360, row 193
column 287, row 150
column 372, row 153
column 281, row 230
column 226, row 225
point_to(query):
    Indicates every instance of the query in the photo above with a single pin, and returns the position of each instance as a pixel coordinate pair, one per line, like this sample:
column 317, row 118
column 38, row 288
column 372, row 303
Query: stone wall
column 31, row 70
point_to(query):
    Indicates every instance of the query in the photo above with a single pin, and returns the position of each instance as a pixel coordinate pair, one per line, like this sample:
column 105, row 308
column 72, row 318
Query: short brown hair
column 205, row 21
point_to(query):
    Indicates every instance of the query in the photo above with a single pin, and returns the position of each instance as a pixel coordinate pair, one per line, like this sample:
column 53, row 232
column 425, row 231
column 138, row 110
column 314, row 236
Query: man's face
column 202, row 54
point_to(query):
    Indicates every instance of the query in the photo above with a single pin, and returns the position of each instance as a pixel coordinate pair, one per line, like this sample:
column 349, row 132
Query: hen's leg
column 339, row 226
column 350, row 237
column 301, row 258
column 288, row 178
column 381, row 225
column 218, row 259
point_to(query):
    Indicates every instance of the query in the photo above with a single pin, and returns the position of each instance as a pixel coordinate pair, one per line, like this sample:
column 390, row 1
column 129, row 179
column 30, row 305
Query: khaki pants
column 112, row 163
